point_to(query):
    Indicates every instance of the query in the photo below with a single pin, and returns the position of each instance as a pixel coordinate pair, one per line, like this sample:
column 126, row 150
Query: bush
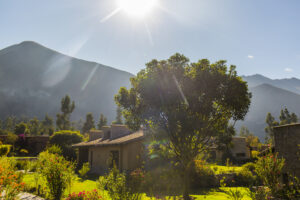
column 202, row 175
column 10, row 180
column 65, row 139
column 57, row 172
column 245, row 178
column 84, row 170
column 22, row 164
column 116, row 185
column 4, row 149
column 93, row 195
column 269, row 168
column 54, row 149
column 250, row 166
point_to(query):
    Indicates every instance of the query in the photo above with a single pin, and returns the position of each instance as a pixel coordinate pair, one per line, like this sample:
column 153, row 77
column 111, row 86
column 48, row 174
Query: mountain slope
column 33, row 79
column 268, row 98
column 291, row 84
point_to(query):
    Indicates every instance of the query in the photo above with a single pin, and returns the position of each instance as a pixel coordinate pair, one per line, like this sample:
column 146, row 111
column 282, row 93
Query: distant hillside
column 268, row 98
column 33, row 79
column 291, row 84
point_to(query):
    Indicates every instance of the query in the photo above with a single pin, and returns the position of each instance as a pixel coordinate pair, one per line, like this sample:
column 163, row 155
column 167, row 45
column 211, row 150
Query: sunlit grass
column 80, row 185
column 218, row 169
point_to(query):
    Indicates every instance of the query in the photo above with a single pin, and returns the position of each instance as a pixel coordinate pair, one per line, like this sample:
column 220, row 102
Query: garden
column 51, row 176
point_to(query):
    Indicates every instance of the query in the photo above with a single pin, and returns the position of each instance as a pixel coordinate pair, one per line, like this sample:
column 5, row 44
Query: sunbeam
column 89, row 77
column 113, row 13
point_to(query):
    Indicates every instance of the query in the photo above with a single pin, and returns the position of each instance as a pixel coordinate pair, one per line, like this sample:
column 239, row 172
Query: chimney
column 118, row 130
column 106, row 132
column 95, row 134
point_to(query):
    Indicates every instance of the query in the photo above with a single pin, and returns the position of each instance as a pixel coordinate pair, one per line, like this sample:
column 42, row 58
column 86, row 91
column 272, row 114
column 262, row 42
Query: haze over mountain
column 270, row 96
column 33, row 79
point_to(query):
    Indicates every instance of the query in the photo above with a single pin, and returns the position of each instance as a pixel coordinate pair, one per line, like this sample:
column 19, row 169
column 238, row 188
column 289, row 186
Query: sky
column 258, row 36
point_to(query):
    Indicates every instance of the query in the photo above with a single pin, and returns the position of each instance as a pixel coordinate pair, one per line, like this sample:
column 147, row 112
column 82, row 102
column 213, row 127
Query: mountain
column 268, row 98
column 33, row 79
column 291, row 84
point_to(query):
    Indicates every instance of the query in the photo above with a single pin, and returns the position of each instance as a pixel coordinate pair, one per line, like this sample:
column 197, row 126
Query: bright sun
column 137, row 8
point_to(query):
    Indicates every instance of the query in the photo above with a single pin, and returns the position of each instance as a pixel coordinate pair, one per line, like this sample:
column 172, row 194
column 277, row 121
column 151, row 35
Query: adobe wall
column 287, row 144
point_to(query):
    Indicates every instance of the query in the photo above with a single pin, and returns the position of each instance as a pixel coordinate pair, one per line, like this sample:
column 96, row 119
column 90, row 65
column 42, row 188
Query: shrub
column 84, row 170
column 65, row 139
column 57, row 172
column 269, row 168
column 10, row 180
column 202, row 175
column 245, row 178
column 92, row 195
column 250, row 166
column 22, row 164
column 4, row 149
column 234, row 194
column 54, row 149
column 116, row 186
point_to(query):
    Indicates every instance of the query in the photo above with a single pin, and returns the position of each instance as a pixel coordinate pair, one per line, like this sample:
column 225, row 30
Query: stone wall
column 287, row 141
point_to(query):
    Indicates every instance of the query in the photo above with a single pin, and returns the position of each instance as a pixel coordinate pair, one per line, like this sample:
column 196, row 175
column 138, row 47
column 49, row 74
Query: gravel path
column 27, row 196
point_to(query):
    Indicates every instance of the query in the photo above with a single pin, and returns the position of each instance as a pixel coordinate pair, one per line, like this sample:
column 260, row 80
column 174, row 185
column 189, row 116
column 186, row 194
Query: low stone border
column 27, row 196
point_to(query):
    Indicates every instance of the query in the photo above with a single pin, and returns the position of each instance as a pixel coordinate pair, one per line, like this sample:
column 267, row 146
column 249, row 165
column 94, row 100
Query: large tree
column 89, row 123
column 63, row 119
column 189, row 102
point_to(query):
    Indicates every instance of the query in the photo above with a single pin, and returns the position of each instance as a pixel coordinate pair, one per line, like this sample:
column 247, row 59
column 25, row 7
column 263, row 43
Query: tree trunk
column 186, row 182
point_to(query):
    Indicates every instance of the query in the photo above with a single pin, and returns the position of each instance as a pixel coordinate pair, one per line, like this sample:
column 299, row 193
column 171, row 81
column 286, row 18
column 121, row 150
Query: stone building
column 113, row 144
column 287, row 144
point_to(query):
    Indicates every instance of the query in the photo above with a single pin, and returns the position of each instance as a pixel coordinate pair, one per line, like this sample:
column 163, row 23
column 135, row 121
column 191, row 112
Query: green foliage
column 57, row 172
column 234, row 194
column 21, row 128
column 251, row 139
column 84, row 170
column 102, row 121
column 63, row 119
column 4, row 149
column 270, row 121
column 10, row 180
column 118, row 116
column 202, row 176
column 89, row 123
column 116, row 186
column 287, row 118
column 47, row 127
column 54, row 149
column 269, row 168
column 64, row 139
column 34, row 126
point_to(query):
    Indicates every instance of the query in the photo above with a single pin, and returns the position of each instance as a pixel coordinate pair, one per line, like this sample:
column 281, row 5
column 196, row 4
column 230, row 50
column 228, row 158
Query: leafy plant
column 57, row 172
column 269, row 168
column 10, row 180
column 84, row 170
column 234, row 194
column 116, row 186
column 4, row 149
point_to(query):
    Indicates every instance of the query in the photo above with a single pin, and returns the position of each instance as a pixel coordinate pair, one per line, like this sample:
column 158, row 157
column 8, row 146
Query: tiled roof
column 121, row 140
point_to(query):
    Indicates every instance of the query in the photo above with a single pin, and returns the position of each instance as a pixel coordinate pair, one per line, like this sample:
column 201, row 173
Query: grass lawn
column 88, row 185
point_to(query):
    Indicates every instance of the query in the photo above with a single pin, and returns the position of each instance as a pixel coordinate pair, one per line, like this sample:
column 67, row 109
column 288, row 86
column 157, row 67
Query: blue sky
column 259, row 36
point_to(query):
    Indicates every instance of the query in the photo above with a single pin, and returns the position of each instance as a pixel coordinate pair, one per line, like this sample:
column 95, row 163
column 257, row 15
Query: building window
column 114, row 159
column 240, row 155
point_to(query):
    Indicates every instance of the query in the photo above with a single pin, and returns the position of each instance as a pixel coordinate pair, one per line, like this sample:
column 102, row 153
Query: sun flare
column 137, row 8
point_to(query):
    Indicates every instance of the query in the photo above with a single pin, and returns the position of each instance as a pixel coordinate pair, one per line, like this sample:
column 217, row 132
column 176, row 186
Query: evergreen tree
column 63, row 119
column 89, row 123
column 47, row 126
column 10, row 123
column 34, row 126
column 270, row 121
column 102, row 121
column 287, row 118
column 118, row 117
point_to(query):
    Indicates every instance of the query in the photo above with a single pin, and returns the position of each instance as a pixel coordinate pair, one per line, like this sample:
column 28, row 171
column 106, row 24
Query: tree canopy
column 89, row 123
column 189, row 102
column 63, row 119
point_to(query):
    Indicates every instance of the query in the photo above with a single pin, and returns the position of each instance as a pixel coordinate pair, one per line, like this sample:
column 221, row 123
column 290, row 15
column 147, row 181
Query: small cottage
column 114, row 144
